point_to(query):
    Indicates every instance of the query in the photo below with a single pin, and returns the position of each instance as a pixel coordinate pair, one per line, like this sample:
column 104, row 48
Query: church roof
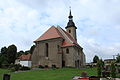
column 58, row 32
column 50, row 34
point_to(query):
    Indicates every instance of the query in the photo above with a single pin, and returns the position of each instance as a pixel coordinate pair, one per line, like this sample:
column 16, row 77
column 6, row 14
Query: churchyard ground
column 49, row 74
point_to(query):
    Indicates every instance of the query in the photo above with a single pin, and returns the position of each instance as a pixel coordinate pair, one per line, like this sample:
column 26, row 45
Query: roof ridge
column 59, row 32
column 63, row 33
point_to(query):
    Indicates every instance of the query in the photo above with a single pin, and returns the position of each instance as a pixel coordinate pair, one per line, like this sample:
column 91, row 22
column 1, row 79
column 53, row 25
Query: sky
column 97, row 22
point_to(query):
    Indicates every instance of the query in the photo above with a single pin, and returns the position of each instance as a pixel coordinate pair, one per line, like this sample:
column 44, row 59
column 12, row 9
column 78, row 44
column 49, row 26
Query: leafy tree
column 113, row 70
column 3, row 50
column 3, row 60
column 3, row 56
column 95, row 59
column 118, row 59
column 32, row 49
column 20, row 53
column 11, row 54
column 27, row 52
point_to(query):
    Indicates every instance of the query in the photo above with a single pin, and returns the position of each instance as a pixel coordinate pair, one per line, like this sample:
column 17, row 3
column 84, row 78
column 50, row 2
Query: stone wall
column 57, row 54
column 54, row 57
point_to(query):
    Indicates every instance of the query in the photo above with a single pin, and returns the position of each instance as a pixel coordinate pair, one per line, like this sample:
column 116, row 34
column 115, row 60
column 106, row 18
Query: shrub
column 17, row 67
column 40, row 66
column 12, row 69
column 46, row 66
column 99, row 68
column 113, row 70
column 24, row 68
column 54, row 67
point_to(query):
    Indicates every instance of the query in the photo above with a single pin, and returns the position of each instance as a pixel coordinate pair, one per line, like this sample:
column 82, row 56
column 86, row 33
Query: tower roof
column 70, row 22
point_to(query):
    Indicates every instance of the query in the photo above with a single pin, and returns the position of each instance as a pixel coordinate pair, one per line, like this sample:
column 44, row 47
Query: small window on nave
column 69, row 31
column 46, row 49
column 58, row 47
column 67, row 51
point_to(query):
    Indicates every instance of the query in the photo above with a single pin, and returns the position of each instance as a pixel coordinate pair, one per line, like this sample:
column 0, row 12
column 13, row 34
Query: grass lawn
column 58, row 74
column 3, row 71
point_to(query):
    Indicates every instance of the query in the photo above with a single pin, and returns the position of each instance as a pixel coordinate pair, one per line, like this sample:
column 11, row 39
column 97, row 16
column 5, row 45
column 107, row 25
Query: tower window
column 67, row 51
column 46, row 49
column 69, row 31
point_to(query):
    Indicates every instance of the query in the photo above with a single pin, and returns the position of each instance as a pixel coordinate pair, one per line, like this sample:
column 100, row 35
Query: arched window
column 67, row 51
column 69, row 31
column 46, row 49
column 58, row 47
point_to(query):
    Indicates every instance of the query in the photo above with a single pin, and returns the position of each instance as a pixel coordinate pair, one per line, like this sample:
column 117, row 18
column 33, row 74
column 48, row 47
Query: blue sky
column 98, row 23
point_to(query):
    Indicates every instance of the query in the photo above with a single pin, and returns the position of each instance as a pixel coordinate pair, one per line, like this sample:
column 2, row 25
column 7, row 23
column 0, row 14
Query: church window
column 46, row 49
column 69, row 31
column 58, row 47
column 67, row 51
column 78, row 52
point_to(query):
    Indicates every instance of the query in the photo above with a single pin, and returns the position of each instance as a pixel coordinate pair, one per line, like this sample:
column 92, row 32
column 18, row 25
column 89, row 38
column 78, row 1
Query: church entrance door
column 63, row 63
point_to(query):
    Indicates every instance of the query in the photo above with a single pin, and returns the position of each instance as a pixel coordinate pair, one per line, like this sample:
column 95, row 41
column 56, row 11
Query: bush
column 113, row 70
column 25, row 68
column 12, row 69
column 5, row 66
column 17, row 67
column 40, row 66
column 99, row 68
column 54, row 67
column 106, row 74
column 46, row 66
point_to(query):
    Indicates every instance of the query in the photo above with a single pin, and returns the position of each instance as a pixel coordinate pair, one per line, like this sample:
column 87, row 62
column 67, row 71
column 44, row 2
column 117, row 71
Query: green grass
column 3, row 71
column 58, row 74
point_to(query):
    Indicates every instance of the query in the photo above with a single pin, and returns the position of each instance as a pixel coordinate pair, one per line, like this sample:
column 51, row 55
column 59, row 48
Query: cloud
column 91, row 48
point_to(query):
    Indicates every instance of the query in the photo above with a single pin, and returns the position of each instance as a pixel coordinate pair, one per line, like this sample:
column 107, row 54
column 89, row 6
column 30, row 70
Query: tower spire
column 70, row 15
column 71, row 28
column 70, row 23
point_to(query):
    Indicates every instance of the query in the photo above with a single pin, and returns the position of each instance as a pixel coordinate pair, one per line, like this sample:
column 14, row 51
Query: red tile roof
column 50, row 34
column 25, row 57
column 66, row 42
column 58, row 32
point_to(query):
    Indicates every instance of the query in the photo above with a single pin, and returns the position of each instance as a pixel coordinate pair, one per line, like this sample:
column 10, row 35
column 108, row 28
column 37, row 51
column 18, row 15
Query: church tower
column 71, row 28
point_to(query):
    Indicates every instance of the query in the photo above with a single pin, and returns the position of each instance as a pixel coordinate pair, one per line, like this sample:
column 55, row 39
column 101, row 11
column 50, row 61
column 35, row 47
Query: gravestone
column 6, row 77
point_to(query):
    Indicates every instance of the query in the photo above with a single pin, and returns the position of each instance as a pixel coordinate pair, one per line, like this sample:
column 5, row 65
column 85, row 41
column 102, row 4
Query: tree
column 95, row 59
column 113, row 70
column 27, row 52
column 11, row 54
column 32, row 49
column 3, row 50
column 3, row 56
column 20, row 53
column 118, row 59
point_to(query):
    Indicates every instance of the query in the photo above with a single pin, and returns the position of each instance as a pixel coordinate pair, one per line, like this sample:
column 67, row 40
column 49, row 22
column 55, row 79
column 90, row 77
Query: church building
column 59, row 47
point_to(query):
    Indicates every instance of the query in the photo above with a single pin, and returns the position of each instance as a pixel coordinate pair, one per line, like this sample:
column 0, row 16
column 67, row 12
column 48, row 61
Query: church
column 59, row 47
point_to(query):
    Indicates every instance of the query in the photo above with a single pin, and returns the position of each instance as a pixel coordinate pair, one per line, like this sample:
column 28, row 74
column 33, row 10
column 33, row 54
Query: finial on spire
column 70, row 14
